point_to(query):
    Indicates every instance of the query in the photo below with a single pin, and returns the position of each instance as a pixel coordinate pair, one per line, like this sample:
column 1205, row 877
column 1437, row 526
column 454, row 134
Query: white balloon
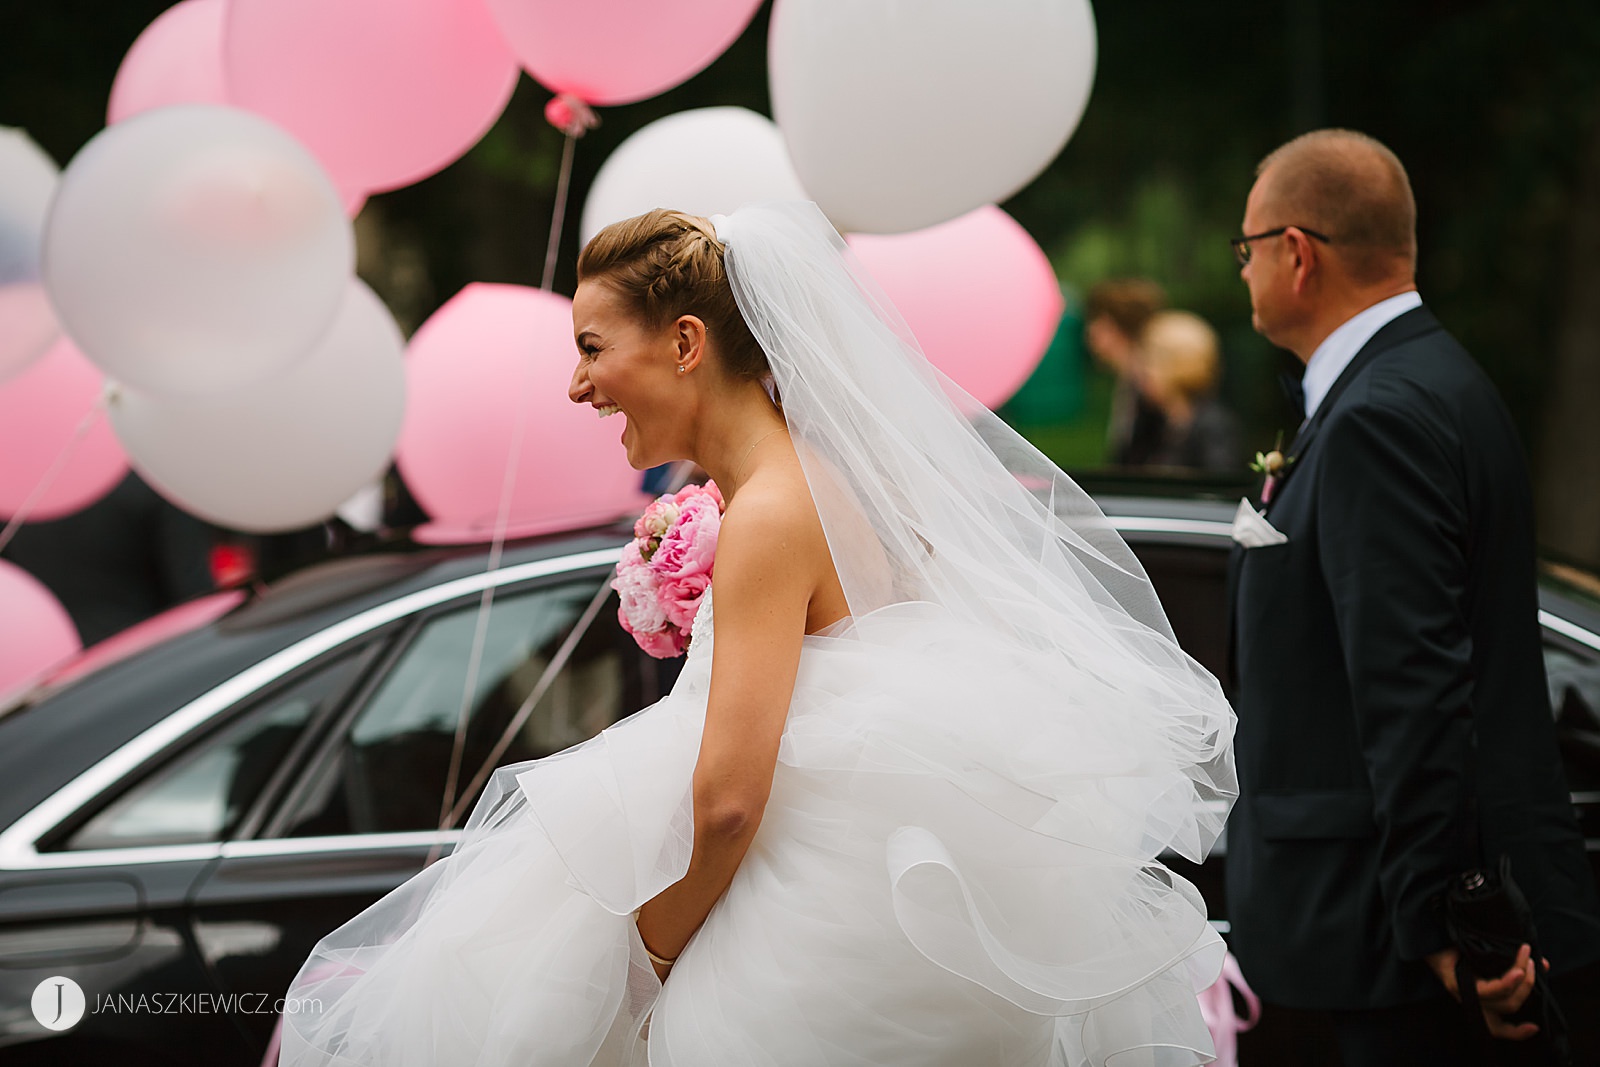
column 287, row 452
column 28, row 179
column 901, row 115
column 195, row 249
column 707, row 161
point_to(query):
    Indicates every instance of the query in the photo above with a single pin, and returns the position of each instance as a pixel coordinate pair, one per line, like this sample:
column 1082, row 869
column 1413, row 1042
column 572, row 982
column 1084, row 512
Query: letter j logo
column 58, row 1003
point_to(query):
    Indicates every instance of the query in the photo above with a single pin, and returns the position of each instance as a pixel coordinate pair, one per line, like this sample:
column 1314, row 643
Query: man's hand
column 1498, row 997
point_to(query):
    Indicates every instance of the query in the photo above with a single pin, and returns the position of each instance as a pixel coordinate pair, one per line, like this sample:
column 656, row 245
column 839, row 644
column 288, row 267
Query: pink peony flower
column 664, row 573
column 680, row 598
column 691, row 544
column 640, row 606
column 657, row 518
column 663, row 644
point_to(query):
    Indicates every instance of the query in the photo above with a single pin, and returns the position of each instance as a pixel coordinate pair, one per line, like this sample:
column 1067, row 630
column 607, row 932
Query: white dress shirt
column 1336, row 351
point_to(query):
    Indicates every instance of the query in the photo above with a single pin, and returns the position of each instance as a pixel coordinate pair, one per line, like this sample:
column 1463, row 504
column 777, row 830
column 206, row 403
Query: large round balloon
column 285, row 453
column 35, row 630
column 52, row 436
column 28, row 179
column 618, row 51
column 738, row 158
column 490, row 355
column 979, row 294
column 385, row 92
column 176, row 60
column 196, row 249
column 902, row 115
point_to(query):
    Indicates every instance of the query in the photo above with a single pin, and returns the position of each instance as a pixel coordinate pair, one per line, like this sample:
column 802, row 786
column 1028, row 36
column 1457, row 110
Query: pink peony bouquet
column 666, row 568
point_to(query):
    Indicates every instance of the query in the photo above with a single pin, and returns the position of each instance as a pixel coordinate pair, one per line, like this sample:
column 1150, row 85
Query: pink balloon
column 977, row 291
column 383, row 92
column 176, row 60
column 619, row 51
column 35, row 631
column 41, row 411
column 490, row 351
column 28, row 326
column 147, row 634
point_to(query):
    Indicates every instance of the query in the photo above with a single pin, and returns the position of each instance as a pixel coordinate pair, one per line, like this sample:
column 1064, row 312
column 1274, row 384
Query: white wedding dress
column 958, row 864
column 933, row 883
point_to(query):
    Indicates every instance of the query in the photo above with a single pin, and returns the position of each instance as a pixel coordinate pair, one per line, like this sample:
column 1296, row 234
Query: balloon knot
column 570, row 115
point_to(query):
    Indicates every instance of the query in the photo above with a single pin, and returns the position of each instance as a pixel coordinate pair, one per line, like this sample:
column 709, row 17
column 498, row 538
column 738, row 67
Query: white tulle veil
column 978, row 775
column 962, row 511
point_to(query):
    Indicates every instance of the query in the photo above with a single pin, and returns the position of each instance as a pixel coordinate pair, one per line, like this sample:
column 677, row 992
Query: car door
column 1190, row 575
column 361, row 812
column 105, row 902
column 1572, row 666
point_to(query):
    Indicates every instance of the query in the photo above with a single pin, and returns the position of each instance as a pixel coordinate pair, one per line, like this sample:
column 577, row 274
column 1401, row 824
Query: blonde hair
column 1182, row 350
column 666, row 264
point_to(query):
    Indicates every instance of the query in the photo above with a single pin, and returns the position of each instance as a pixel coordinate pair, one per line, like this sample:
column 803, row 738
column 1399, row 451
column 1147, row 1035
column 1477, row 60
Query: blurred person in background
column 1178, row 365
column 122, row 559
column 1115, row 316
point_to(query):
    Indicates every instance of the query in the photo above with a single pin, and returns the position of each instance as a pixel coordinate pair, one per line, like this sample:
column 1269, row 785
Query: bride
column 905, row 802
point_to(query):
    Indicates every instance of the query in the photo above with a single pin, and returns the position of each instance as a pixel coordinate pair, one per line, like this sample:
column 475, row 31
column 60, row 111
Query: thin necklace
column 751, row 449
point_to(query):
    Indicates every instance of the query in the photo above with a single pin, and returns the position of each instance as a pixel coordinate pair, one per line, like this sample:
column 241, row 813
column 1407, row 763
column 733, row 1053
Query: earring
column 682, row 368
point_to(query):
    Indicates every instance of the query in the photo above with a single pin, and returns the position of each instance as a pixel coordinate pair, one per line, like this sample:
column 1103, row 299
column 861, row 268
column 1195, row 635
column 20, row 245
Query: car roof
column 95, row 714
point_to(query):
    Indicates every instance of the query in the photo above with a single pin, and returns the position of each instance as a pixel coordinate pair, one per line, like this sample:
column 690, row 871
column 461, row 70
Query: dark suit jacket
column 1394, row 722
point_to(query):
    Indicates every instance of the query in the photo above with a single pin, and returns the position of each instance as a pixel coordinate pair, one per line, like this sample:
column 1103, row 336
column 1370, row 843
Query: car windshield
column 171, row 623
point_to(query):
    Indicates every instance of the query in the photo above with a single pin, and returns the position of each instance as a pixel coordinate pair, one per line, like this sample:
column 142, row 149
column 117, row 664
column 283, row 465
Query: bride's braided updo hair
column 667, row 263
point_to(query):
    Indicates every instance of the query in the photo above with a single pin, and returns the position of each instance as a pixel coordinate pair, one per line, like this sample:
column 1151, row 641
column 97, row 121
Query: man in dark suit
column 1394, row 724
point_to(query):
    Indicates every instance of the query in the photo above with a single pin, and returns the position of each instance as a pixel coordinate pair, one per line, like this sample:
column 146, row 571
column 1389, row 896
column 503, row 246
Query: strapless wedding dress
column 956, row 867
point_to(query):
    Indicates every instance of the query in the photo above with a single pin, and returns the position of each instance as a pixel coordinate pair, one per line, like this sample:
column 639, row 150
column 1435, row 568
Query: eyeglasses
column 1241, row 245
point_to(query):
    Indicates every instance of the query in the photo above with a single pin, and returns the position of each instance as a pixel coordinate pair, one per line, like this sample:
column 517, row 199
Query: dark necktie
column 1294, row 390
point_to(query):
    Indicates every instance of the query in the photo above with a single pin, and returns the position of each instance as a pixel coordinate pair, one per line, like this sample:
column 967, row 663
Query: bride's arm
column 765, row 574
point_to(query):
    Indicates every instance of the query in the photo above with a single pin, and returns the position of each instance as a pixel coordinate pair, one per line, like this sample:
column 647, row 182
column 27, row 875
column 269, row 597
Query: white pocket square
column 1253, row 531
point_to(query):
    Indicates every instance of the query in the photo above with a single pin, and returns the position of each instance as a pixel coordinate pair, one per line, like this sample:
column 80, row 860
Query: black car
column 180, row 826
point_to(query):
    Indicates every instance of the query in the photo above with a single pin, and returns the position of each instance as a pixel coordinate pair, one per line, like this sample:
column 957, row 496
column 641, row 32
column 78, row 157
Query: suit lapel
column 1403, row 328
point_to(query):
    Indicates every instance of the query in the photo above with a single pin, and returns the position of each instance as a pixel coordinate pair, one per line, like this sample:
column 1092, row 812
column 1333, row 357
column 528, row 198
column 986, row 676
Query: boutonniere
column 1275, row 465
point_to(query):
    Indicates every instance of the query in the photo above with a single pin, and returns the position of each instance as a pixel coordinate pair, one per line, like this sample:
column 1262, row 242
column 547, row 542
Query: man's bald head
column 1352, row 189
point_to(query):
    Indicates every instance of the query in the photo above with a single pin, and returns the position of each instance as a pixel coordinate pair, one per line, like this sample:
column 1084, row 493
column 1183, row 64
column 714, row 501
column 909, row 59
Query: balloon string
column 547, row 678
column 480, row 634
column 448, row 806
column 62, row 459
column 559, row 214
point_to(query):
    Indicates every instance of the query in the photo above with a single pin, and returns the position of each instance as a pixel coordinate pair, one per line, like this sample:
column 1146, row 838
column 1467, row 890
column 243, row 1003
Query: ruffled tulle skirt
column 957, row 866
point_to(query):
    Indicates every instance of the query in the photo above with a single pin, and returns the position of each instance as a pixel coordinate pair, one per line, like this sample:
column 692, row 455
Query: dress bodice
column 701, row 633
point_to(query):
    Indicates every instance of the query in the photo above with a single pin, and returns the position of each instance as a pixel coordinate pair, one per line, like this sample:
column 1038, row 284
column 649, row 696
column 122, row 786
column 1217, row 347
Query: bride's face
column 627, row 369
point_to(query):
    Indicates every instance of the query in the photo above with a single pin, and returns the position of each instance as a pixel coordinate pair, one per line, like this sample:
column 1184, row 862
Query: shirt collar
column 1336, row 351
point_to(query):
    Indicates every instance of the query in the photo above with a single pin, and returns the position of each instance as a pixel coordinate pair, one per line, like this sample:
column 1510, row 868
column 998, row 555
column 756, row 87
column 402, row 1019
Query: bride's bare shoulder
column 776, row 502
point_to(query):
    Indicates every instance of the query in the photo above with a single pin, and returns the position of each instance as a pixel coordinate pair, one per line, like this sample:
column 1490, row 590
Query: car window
column 201, row 795
column 1575, row 698
column 386, row 770
column 1192, row 584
